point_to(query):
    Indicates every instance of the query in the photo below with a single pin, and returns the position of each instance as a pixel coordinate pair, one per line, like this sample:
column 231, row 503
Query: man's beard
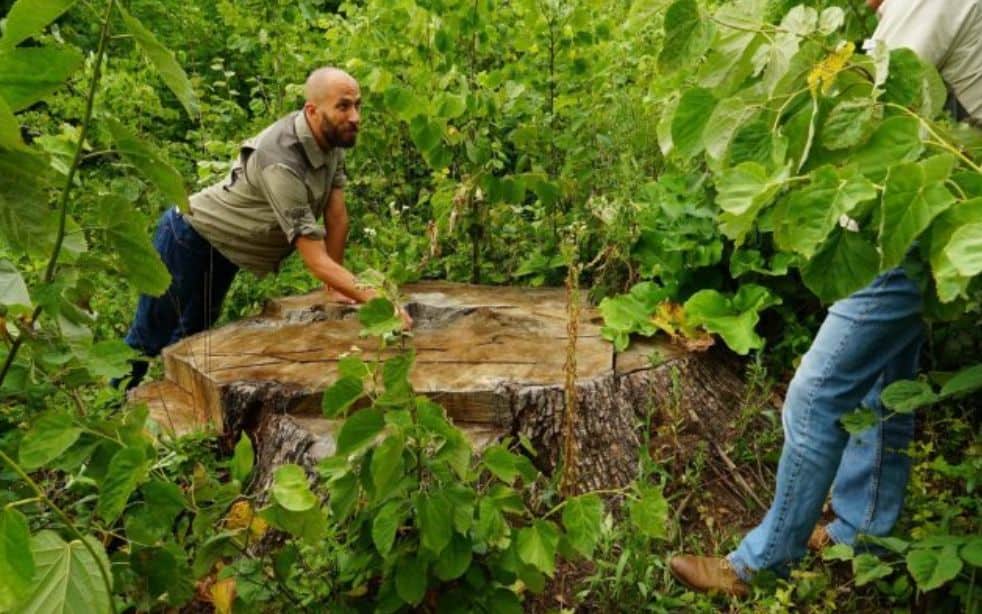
column 335, row 136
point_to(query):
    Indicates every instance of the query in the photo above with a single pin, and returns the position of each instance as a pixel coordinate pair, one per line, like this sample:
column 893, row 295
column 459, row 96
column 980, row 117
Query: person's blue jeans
column 200, row 279
column 866, row 342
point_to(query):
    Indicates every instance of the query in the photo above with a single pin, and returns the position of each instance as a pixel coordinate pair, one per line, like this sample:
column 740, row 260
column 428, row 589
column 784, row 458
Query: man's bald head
column 332, row 107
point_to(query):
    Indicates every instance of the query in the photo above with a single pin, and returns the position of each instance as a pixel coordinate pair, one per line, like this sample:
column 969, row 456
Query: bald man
column 285, row 178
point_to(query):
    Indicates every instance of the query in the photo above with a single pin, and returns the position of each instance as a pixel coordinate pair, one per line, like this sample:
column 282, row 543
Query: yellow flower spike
column 223, row 595
column 824, row 73
column 240, row 515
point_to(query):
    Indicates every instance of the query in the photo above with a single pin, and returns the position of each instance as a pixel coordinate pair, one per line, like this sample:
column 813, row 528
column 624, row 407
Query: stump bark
column 494, row 357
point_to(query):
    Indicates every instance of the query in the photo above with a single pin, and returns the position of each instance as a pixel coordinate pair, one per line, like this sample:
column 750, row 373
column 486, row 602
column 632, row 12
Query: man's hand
column 336, row 297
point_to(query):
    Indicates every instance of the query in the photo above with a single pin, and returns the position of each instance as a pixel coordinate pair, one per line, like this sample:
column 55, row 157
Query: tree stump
column 494, row 357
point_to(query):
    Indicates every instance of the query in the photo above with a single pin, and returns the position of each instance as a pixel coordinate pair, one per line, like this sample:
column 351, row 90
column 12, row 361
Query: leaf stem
column 65, row 520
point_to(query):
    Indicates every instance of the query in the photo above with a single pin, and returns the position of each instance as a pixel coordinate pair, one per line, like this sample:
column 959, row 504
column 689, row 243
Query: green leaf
column 387, row 465
column 801, row 20
column 13, row 290
column 451, row 106
column 831, row 20
column 804, row 220
column 537, row 545
column 838, row 552
column 971, row 552
column 16, row 558
column 687, row 35
column 691, row 116
column 649, row 513
column 127, row 469
column 741, row 192
column 163, row 60
column 911, row 200
column 150, row 162
column 964, row 250
column 385, row 525
column 67, row 578
column 404, row 103
column 378, row 317
column 23, row 202
column 502, row 463
column 631, row 313
column 126, row 234
column 434, row 521
column 491, row 526
column 726, row 117
column 360, row 429
column 243, row 458
column 905, row 396
column 932, row 568
column 28, row 17
column 425, row 133
column 341, row 395
column 733, row 318
column 455, row 560
column 851, row 123
column 867, row 568
column 897, row 140
column 28, row 74
column 310, row 525
column 582, row 517
column 411, row 579
column 966, row 381
column 949, row 282
column 903, row 84
column 857, row 421
column 9, row 128
column 846, row 263
column 49, row 436
column 291, row 489
column 752, row 142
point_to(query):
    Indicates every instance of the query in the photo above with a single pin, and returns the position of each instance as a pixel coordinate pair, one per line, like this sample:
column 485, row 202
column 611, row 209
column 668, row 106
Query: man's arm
column 336, row 225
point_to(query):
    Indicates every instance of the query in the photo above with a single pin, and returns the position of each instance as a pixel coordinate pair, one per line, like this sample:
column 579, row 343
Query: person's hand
column 336, row 297
column 407, row 321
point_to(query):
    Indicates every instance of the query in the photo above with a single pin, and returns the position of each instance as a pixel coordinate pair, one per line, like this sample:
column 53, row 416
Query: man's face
column 337, row 118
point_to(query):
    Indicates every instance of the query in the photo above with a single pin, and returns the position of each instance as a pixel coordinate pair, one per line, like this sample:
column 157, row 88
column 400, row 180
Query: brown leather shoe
column 819, row 539
column 707, row 574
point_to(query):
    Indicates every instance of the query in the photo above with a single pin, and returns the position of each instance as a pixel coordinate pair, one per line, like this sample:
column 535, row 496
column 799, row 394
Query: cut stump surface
column 494, row 357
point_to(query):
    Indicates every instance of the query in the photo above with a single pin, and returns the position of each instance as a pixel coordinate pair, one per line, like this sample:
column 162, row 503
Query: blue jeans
column 867, row 341
column 200, row 279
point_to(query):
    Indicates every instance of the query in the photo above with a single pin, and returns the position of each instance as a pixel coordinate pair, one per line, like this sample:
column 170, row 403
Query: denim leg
column 868, row 490
column 859, row 338
column 202, row 307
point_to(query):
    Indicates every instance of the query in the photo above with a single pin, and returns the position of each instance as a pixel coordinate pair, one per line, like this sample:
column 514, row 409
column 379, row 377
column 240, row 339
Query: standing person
column 283, row 180
column 867, row 341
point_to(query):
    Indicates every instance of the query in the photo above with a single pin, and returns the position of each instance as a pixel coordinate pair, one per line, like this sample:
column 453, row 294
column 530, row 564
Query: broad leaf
column 50, row 435
column 425, row 133
column 733, row 318
column 455, row 559
column 385, row 524
column 410, row 574
column 291, row 489
column 846, row 263
column 341, row 395
column 582, row 517
column 966, row 381
column 16, row 558
column 67, row 578
column 23, row 202
column 28, row 17
column 742, row 191
column 434, row 521
column 897, row 140
column 537, row 544
column 905, row 396
column 687, row 35
column 28, row 74
column 649, row 513
column 932, row 568
column 857, row 421
column 243, row 459
column 691, row 116
column 126, row 234
column 150, row 162
column 851, row 123
column 867, row 568
column 387, row 465
column 360, row 429
column 912, row 198
column 964, row 250
column 163, row 59
column 9, row 128
column 13, row 290
column 378, row 317
column 127, row 469
column 971, row 552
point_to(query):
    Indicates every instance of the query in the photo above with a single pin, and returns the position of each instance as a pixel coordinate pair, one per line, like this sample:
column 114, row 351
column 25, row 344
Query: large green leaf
column 728, row 115
column 13, row 290
column 9, row 128
column 868, row 568
column 897, row 140
column 126, row 234
column 23, row 202
column 649, row 512
column 964, row 250
column 150, row 162
column 733, row 318
column 340, row 395
column 243, row 459
column 691, row 116
column 455, row 559
column 360, row 429
column 379, row 317
column 905, row 396
column 742, row 191
column 426, row 133
column 387, row 465
column 67, row 578
column 582, row 517
column 291, row 488
column 851, row 123
column 912, row 198
column 50, row 435
column 127, row 469
column 931, row 568
column 537, row 545
column 385, row 524
column 966, row 381
column 28, row 74
column 687, row 35
column 28, row 17
column 16, row 558
column 434, row 521
column 410, row 575
column 846, row 263
column 949, row 282
column 804, row 220
column 163, row 59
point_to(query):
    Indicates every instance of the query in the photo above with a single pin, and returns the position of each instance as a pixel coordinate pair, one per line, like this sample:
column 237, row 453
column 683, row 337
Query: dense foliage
column 704, row 168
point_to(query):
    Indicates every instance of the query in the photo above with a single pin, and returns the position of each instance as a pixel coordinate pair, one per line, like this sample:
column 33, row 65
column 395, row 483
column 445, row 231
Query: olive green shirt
column 274, row 193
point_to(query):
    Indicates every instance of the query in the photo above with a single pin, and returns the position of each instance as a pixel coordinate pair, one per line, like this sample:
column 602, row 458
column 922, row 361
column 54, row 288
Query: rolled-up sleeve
column 287, row 195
